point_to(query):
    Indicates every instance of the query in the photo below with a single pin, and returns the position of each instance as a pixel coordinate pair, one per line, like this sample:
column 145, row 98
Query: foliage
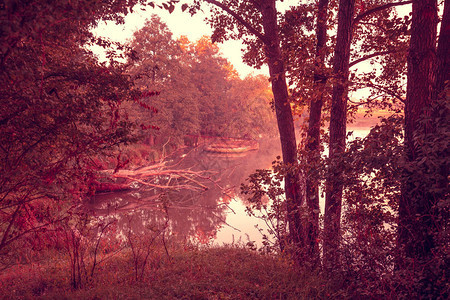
column 248, row 113
column 373, row 173
column 162, row 67
column 425, row 179
column 382, row 40
column 372, row 169
column 266, row 197
column 299, row 52
column 199, row 92
column 60, row 109
column 373, row 263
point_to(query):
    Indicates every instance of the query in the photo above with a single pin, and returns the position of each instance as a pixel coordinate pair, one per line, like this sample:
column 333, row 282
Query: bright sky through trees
column 180, row 23
column 194, row 27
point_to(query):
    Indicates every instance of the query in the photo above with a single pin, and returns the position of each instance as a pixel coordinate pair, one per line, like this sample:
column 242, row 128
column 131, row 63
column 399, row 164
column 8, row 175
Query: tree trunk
column 285, row 121
column 338, row 120
column 313, row 136
column 284, row 117
column 422, row 239
column 413, row 233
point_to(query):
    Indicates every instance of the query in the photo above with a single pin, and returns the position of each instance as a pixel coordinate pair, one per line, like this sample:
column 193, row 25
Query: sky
column 180, row 23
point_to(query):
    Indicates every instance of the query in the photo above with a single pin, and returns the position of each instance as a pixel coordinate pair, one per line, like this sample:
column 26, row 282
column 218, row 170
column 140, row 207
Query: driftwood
column 156, row 176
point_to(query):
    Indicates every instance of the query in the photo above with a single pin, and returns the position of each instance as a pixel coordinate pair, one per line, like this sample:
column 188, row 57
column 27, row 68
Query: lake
column 215, row 216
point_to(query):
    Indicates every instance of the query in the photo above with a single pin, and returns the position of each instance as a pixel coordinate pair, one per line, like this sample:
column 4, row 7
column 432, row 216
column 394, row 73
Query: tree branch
column 386, row 90
column 378, row 26
column 378, row 8
column 375, row 54
column 239, row 19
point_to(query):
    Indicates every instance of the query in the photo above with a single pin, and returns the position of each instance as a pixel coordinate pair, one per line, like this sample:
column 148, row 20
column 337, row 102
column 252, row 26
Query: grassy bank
column 186, row 273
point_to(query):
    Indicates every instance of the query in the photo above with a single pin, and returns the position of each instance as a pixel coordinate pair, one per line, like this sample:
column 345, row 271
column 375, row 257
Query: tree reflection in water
column 192, row 215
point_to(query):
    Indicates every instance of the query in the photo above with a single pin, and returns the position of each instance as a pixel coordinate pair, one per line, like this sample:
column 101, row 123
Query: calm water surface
column 217, row 215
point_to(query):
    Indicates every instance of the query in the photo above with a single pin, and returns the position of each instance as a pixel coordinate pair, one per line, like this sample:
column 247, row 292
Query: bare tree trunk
column 284, row 117
column 313, row 136
column 338, row 120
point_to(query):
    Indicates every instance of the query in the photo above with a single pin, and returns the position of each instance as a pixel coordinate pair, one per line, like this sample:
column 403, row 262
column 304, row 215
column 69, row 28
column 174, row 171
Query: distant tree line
column 199, row 92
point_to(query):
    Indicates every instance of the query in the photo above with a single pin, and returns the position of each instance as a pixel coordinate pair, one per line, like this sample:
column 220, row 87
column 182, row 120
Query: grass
column 227, row 272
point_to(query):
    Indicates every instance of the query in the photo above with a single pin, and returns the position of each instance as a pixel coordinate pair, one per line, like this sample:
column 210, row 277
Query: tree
column 211, row 74
column 423, row 208
column 308, row 75
column 443, row 48
column 165, row 68
column 259, row 20
column 247, row 24
column 60, row 109
column 374, row 44
column 249, row 114
column 420, row 81
column 338, row 120
column 313, row 133
column 195, row 87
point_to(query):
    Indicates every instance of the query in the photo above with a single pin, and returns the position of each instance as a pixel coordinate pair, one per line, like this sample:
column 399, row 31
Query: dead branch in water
column 158, row 177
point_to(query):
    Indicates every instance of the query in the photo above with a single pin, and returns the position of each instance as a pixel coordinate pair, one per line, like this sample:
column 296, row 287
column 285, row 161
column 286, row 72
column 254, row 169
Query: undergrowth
column 188, row 272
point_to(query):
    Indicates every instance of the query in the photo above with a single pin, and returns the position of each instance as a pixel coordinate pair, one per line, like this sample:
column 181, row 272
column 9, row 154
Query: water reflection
column 214, row 215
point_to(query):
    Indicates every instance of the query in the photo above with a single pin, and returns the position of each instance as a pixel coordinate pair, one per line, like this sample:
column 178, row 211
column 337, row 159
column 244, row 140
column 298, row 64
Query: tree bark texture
column 313, row 136
column 284, row 117
column 338, row 120
column 414, row 207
